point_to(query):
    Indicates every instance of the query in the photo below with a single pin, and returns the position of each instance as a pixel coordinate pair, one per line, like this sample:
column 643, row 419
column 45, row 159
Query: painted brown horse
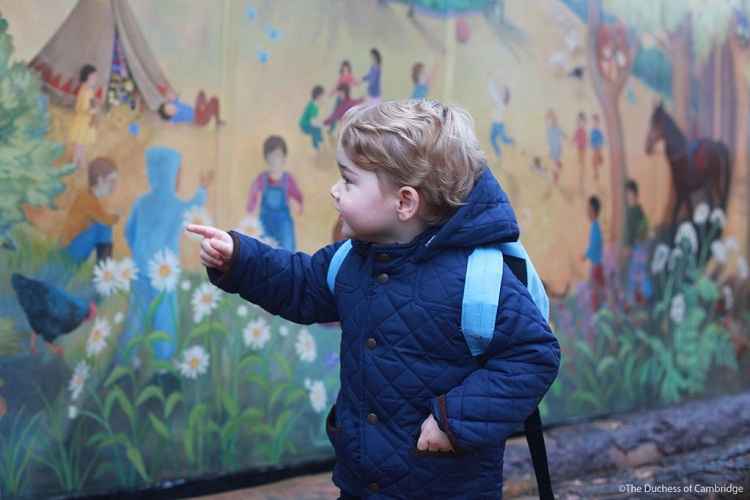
column 703, row 163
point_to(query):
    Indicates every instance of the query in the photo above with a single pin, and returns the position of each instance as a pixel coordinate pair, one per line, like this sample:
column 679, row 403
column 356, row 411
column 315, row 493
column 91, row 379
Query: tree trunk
column 740, row 186
column 608, row 92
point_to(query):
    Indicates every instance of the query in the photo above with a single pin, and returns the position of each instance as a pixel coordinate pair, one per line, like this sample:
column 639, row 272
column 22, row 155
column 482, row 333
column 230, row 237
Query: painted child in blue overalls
column 276, row 189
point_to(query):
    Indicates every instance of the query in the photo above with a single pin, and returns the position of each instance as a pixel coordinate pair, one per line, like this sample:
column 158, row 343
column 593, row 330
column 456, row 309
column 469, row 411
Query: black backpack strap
column 535, row 438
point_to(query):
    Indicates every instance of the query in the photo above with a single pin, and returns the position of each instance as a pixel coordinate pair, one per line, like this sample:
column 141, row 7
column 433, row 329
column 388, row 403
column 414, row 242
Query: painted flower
column 186, row 285
column 205, row 298
column 305, row 346
column 686, row 232
column 164, row 270
column 97, row 339
column 728, row 297
column 199, row 216
column 242, row 311
column 125, row 273
column 72, row 412
column 256, row 334
column 718, row 218
column 719, row 251
column 318, row 397
column 730, row 242
column 674, row 257
column 742, row 269
column 702, row 211
column 119, row 317
column 194, row 362
column 105, row 277
column 80, row 374
column 661, row 254
column 251, row 226
column 677, row 311
column 283, row 330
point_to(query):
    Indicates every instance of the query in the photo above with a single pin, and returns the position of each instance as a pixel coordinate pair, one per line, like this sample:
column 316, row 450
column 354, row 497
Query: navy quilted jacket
column 403, row 355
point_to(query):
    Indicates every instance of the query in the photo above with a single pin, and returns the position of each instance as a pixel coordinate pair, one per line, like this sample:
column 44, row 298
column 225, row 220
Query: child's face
column 105, row 186
column 367, row 213
column 630, row 197
column 276, row 159
column 590, row 211
column 91, row 80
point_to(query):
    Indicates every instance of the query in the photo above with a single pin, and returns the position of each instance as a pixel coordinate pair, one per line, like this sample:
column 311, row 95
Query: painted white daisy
column 197, row 215
column 719, row 251
column 164, row 270
column 661, row 254
column 125, row 273
column 307, row 382
column 674, row 257
column 283, row 330
column 677, row 311
column 251, row 226
column 742, row 269
column 80, row 374
column 256, row 334
column 97, row 339
column 318, row 397
column 105, row 277
column 728, row 297
column 186, row 285
column 242, row 310
column 686, row 231
column 119, row 317
column 305, row 346
column 718, row 218
column 205, row 298
column 702, row 211
column 72, row 412
column 194, row 362
column 730, row 242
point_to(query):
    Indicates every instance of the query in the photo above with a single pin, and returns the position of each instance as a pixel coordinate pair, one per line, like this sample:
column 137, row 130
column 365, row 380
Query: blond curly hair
column 424, row 144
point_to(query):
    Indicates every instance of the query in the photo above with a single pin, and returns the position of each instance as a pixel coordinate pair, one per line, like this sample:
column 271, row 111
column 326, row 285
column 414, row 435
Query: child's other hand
column 216, row 247
column 432, row 438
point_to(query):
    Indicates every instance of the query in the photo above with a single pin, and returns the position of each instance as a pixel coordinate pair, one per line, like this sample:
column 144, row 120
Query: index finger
column 205, row 231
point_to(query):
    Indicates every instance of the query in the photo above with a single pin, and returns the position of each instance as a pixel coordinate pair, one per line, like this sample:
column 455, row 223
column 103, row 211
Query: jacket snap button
column 382, row 257
column 372, row 418
column 374, row 487
column 371, row 343
column 382, row 278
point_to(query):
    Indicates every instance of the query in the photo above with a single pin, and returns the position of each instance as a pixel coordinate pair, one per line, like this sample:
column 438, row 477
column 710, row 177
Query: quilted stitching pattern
column 420, row 354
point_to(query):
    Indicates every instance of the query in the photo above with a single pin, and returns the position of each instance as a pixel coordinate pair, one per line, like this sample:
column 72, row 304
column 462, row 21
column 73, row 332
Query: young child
column 346, row 77
column 501, row 99
column 417, row 415
column 636, row 247
column 579, row 139
column 276, row 189
column 594, row 254
column 83, row 127
column 309, row 121
column 597, row 144
column 345, row 102
column 422, row 80
column 373, row 76
column 555, row 136
column 88, row 225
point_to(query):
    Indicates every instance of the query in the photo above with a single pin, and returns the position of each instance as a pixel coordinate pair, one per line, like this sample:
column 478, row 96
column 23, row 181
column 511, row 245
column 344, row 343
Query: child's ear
column 408, row 205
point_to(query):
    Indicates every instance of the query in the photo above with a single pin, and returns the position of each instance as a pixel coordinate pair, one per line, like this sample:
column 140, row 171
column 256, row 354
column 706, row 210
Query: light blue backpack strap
column 534, row 282
column 484, row 275
column 335, row 265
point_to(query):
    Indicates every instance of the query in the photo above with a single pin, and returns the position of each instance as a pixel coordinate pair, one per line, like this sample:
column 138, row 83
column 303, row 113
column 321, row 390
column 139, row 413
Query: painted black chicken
column 51, row 311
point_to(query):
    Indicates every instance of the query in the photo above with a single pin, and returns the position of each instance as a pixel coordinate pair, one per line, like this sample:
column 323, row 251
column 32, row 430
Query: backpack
column 484, row 276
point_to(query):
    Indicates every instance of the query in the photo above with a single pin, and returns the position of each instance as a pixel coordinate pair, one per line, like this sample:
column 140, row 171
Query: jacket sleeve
column 288, row 284
column 519, row 366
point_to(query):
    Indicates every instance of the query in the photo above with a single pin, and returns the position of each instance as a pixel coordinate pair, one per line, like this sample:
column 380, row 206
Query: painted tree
column 27, row 175
column 611, row 52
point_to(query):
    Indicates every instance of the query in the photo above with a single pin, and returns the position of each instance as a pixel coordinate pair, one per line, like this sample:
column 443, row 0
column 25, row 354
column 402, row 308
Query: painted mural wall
column 619, row 130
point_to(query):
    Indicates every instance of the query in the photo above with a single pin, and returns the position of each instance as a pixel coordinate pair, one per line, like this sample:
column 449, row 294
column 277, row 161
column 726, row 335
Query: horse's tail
column 726, row 172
